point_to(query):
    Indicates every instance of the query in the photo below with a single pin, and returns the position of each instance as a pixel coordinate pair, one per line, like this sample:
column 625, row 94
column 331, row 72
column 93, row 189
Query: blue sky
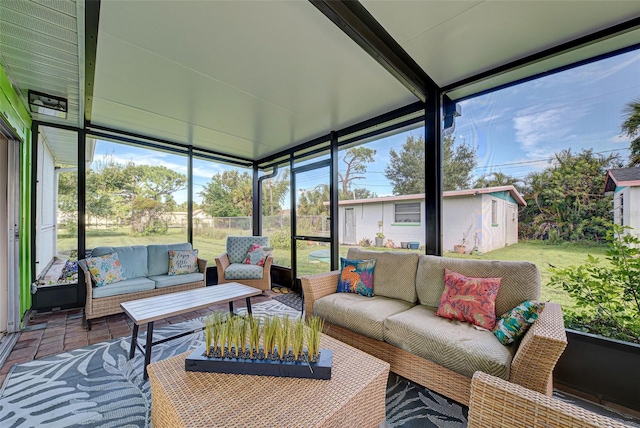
column 516, row 130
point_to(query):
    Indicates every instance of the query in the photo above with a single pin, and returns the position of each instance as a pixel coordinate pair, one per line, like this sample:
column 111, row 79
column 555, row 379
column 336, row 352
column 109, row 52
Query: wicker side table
column 355, row 395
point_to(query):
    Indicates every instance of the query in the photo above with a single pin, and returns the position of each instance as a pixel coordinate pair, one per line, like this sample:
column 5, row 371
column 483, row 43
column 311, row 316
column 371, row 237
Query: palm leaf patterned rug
column 97, row 386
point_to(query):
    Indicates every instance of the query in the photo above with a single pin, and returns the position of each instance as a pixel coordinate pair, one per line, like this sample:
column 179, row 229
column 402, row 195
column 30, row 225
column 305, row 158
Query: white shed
column 624, row 185
column 486, row 218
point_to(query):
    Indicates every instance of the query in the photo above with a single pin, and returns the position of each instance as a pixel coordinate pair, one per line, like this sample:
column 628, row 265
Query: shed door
column 511, row 225
column 349, row 236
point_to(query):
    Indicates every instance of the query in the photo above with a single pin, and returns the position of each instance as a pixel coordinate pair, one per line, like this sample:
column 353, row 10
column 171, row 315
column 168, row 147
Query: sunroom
column 434, row 127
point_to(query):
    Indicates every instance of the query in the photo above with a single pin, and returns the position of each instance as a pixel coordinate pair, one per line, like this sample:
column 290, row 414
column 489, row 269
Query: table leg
column 231, row 307
column 134, row 341
column 147, row 349
column 248, row 300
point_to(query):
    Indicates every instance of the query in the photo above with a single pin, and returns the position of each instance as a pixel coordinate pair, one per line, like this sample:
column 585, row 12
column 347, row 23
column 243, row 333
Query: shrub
column 608, row 297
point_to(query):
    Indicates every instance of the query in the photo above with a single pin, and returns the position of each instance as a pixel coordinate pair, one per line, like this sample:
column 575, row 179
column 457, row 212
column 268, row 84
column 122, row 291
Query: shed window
column 621, row 209
column 407, row 213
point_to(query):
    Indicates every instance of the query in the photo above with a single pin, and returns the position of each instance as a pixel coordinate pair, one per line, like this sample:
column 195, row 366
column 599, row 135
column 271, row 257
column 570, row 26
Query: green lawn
column 540, row 253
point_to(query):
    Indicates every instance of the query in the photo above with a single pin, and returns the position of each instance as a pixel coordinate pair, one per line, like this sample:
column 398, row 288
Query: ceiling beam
column 357, row 23
column 91, row 20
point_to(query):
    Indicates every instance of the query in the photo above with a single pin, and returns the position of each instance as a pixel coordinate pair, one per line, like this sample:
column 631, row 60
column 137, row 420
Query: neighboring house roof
column 621, row 177
column 449, row 194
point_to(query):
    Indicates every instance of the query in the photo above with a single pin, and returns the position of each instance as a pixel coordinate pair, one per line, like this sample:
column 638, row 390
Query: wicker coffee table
column 355, row 395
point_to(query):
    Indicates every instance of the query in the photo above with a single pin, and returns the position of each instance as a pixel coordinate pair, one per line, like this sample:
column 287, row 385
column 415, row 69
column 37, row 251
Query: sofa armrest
column 266, row 269
column 317, row 286
column 496, row 402
column 222, row 262
column 87, row 278
column 202, row 268
column 539, row 351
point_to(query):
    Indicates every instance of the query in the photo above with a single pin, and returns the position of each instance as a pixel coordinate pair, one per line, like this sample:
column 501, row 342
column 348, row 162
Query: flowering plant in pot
column 379, row 239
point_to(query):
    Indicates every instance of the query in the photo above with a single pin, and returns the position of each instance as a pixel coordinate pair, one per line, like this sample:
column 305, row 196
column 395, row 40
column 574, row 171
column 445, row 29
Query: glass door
column 311, row 221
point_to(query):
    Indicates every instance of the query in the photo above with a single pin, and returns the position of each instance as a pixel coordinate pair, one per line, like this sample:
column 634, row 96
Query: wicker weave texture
column 408, row 365
column 355, row 395
column 531, row 367
column 498, row 403
column 317, row 286
column 264, row 284
column 97, row 308
column 539, row 351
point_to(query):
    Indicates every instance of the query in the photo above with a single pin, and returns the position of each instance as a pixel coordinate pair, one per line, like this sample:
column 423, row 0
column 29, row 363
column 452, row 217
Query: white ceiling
column 251, row 78
column 453, row 40
column 242, row 78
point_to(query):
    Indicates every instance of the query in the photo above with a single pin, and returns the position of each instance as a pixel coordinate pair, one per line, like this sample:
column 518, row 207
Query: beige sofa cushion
column 394, row 275
column 456, row 345
column 363, row 315
column 520, row 280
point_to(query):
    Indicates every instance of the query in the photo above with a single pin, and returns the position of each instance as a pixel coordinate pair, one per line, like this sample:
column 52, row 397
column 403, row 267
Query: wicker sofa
column 399, row 325
column 146, row 269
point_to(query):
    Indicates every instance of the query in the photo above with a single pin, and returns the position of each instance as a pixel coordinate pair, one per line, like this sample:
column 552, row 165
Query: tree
column 228, row 194
column 631, row 126
column 150, row 192
column 141, row 195
column 496, row 179
column 355, row 159
column 565, row 201
column 312, row 201
column 406, row 168
column 459, row 163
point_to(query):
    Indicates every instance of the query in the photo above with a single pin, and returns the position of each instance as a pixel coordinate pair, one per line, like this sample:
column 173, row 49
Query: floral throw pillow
column 182, row 262
column 257, row 255
column 356, row 276
column 513, row 324
column 469, row 299
column 105, row 269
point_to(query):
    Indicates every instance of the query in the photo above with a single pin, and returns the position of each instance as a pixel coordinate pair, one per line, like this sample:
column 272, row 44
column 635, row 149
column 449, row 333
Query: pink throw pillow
column 469, row 299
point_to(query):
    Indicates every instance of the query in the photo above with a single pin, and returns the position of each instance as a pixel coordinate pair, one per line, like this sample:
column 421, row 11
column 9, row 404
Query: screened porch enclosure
column 323, row 125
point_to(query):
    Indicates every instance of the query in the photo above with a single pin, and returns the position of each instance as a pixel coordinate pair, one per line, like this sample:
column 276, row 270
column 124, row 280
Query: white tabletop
column 142, row 311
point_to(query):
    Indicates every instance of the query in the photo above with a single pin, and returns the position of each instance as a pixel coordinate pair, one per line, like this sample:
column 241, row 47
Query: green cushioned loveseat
column 146, row 268
column 398, row 324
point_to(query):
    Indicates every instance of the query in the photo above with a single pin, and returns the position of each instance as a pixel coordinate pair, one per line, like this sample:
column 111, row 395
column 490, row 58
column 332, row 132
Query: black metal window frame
column 429, row 92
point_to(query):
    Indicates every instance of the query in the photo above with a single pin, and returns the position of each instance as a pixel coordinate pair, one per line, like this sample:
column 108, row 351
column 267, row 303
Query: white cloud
column 619, row 139
column 541, row 129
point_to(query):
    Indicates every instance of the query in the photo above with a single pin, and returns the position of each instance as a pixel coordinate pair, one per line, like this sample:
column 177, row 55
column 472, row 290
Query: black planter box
column 198, row 362
column 606, row 369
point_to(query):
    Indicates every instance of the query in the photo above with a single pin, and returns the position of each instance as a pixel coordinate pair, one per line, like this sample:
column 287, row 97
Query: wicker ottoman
column 355, row 395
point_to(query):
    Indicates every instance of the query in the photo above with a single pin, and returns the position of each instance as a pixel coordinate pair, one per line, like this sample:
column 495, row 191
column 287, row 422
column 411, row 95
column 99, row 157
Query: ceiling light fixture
column 46, row 104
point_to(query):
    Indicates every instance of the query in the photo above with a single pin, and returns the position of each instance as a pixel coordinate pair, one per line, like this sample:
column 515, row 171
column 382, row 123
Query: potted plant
column 604, row 328
column 462, row 247
column 269, row 346
column 379, row 239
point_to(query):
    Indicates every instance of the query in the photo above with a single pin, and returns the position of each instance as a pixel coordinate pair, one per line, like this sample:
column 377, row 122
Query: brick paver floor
column 53, row 332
